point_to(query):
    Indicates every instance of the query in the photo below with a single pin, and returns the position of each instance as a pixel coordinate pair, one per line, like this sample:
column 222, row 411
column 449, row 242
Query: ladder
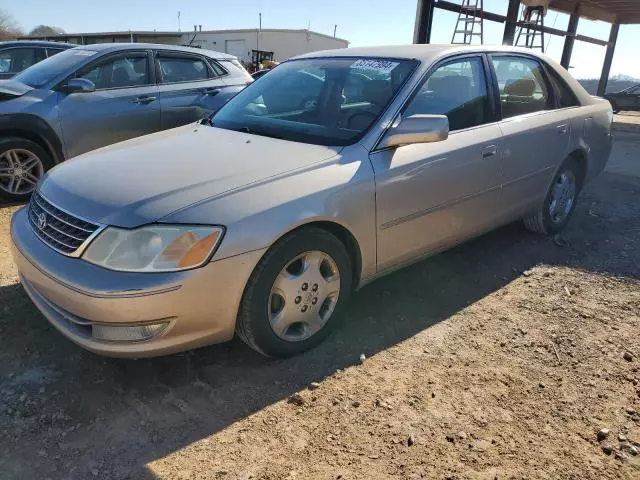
column 532, row 27
column 470, row 15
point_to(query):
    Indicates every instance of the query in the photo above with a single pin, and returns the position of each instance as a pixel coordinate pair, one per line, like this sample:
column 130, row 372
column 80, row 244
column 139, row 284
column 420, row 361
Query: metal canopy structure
column 616, row 12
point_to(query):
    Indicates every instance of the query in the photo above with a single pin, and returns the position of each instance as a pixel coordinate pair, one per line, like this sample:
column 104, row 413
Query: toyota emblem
column 42, row 221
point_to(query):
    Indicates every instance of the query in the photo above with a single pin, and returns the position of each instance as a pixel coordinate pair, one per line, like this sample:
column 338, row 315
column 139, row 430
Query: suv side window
column 53, row 51
column 174, row 68
column 522, row 85
column 131, row 70
column 457, row 89
column 14, row 60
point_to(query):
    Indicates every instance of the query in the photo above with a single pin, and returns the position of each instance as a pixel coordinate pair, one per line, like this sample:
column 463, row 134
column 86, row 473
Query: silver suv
column 91, row 96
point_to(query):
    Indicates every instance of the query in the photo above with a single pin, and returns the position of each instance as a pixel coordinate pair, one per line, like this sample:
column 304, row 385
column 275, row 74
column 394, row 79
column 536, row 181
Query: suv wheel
column 22, row 165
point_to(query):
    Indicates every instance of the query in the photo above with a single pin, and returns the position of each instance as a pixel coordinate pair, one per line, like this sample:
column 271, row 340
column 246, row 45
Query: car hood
column 13, row 88
column 142, row 180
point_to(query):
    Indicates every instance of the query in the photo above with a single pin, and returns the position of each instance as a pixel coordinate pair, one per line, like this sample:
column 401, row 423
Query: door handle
column 144, row 100
column 563, row 129
column 489, row 151
column 211, row 91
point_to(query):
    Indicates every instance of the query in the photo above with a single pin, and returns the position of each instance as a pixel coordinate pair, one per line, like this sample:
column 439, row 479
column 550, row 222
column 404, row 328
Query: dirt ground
column 500, row 359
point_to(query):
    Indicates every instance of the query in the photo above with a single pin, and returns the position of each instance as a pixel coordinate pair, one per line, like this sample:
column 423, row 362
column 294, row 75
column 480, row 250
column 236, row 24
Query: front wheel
column 614, row 106
column 22, row 165
column 295, row 295
column 560, row 201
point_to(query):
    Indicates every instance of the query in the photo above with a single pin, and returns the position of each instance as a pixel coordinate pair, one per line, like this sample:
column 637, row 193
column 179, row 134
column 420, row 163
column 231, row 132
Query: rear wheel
column 560, row 201
column 295, row 295
column 22, row 165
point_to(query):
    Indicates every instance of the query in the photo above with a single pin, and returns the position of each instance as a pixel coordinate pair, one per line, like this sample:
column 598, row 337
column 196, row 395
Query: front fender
column 34, row 128
column 341, row 192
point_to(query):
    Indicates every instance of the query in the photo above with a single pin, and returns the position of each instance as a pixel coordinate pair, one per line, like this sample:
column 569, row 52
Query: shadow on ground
column 84, row 412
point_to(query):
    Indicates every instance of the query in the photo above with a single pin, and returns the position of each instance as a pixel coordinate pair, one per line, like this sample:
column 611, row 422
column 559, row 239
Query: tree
column 9, row 28
column 45, row 31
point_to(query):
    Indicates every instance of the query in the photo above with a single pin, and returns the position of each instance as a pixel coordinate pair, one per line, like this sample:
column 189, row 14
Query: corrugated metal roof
column 612, row 11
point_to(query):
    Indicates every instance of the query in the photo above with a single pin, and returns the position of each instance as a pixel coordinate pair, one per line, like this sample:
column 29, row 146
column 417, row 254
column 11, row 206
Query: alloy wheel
column 20, row 171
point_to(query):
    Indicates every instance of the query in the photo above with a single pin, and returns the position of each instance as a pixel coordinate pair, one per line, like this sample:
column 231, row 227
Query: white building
column 241, row 43
column 283, row 43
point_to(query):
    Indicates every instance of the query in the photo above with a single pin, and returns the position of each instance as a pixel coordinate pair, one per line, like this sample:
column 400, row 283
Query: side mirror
column 79, row 85
column 417, row 129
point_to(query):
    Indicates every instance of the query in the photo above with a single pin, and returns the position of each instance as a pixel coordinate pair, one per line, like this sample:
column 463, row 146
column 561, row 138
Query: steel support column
column 511, row 22
column 570, row 39
column 424, row 21
column 608, row 58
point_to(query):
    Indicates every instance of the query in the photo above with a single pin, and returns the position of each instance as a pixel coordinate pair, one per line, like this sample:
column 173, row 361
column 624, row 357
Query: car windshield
column 42, row 73
column 324, row 101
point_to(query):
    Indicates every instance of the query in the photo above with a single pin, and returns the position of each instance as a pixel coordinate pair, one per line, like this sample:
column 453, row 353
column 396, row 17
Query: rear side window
column 457, row 89
column 522, row 85
column 54, row 51
column 118, row 72
column 174, row 69
column 565, row 98
column 217, row 68
column 14, row 60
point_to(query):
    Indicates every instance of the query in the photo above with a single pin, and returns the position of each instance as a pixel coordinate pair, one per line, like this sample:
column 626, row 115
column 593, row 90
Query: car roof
column 423, row 52
column 35, row 43
column 118, row 47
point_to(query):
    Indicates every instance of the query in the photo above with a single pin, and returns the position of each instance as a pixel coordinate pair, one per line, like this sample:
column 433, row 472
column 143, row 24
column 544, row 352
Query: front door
column 191, row 88
column 124, row 105
column 433, row 195
column 536, row 135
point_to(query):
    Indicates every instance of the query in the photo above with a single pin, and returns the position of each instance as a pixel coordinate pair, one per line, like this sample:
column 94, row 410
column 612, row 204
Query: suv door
column 433, row 195
column 124, row 105
column 536, row 132
column 189, row 87
column 16, row 59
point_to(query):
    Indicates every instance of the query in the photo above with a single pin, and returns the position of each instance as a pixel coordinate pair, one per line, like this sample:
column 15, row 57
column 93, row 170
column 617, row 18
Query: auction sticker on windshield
column 378, row 66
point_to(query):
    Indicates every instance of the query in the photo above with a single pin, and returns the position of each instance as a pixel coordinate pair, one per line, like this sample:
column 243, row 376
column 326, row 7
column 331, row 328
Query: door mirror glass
column 79, row 85
column 417, row 129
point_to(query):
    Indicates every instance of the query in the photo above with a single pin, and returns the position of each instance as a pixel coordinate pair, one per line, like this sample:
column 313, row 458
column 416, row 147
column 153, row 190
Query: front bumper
column 200, row 305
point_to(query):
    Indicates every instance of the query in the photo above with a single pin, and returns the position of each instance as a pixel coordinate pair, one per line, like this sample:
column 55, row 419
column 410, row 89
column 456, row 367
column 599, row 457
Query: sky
column 362, row 22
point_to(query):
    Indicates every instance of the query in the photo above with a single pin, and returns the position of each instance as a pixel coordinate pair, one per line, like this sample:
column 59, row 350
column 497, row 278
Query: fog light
column 127, row 333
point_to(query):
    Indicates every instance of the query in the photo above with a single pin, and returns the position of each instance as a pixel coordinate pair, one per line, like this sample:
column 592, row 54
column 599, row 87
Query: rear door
column 191, row 87
column 124, row 105
column 536, row 133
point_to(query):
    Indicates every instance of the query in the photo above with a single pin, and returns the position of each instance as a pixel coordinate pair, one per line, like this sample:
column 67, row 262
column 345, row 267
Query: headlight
column 155, row 248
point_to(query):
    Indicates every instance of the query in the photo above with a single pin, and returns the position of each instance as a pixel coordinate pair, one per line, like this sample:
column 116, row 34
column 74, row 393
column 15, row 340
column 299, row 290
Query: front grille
column 57, row 228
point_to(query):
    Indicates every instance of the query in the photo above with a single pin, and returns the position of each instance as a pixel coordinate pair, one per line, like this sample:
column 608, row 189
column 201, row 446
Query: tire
column 13, row 150
column 254, row 323
column 543, row 221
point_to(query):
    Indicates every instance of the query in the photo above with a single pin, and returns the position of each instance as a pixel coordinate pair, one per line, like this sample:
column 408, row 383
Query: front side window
column 182, row 69
column 523, row 88
column 325, row 101
column 119, row 72
column 457, row 89
column 50, row 69
column 14, row 60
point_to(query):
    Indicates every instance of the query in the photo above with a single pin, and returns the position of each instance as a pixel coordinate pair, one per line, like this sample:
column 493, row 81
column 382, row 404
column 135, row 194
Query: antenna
column 179, row 29
column 335, row 29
